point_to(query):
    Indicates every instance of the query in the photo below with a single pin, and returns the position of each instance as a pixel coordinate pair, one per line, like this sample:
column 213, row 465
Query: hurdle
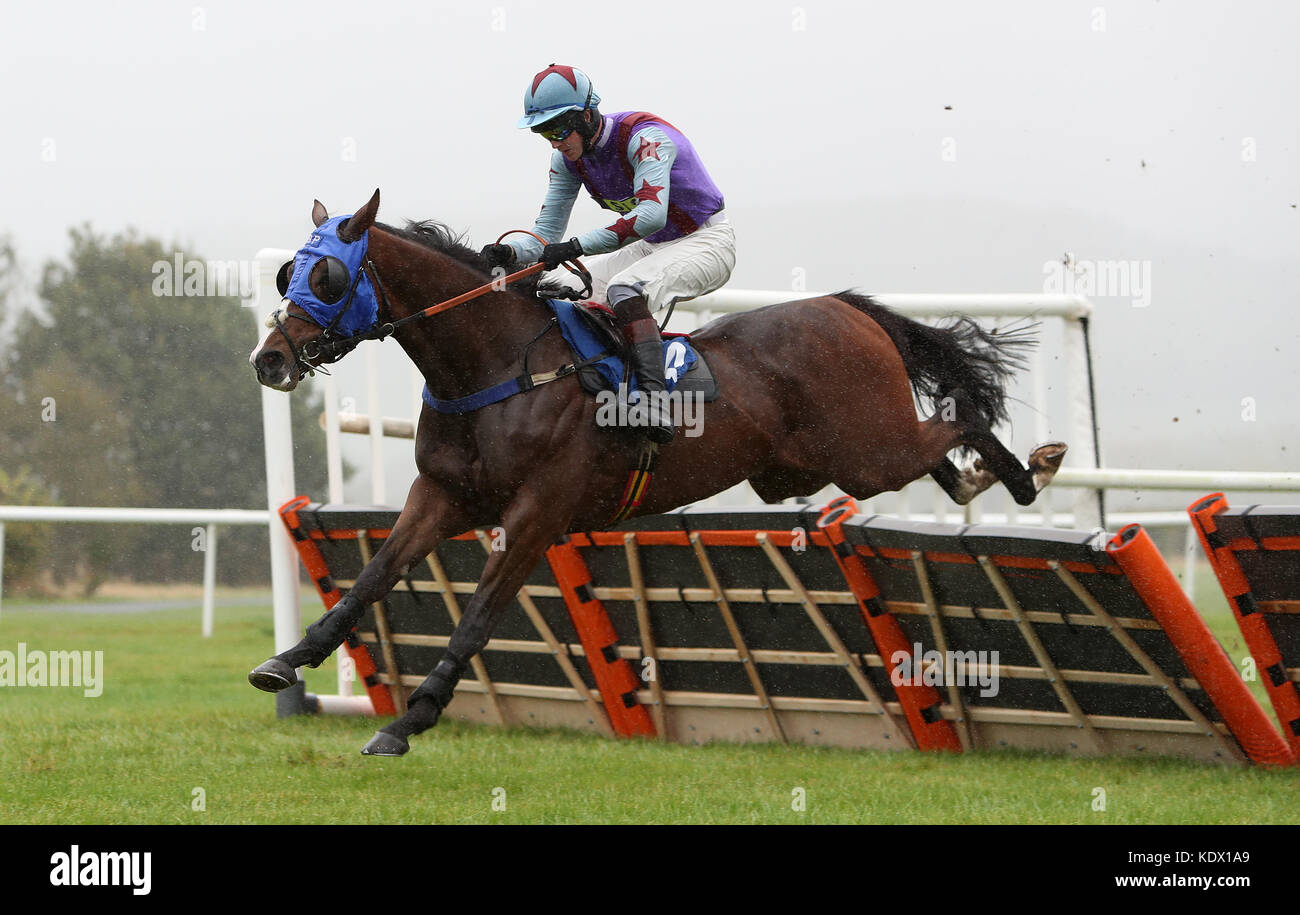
column 1255, row 554
column 823, row 627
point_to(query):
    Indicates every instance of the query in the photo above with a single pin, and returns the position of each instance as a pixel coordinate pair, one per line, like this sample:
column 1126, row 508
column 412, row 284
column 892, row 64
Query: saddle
column 598, row 350
column 590, row 329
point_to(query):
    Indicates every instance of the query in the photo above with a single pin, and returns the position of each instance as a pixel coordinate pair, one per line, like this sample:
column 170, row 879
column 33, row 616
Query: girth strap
column 518, row 385
column 479, row 399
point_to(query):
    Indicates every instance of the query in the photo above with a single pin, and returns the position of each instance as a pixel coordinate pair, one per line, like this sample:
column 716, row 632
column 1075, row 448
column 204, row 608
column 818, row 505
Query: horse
column 813, row 392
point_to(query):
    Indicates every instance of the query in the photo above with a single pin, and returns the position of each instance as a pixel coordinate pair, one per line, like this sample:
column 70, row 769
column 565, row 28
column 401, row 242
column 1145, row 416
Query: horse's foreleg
column 529, row 532
column 428, row 517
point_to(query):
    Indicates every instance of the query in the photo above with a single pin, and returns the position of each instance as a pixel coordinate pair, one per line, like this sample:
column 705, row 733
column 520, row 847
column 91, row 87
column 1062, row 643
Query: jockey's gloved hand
column 498, row 255
column 554, row 255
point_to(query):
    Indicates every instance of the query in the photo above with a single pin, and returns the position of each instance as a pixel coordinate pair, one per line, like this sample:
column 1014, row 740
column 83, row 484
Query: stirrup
column 658, row 427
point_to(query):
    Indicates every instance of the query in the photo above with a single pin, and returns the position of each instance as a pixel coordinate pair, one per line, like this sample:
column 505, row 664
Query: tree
column 129, row 397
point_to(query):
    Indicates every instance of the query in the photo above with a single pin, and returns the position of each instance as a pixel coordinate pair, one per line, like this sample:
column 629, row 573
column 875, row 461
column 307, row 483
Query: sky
column 893, row 147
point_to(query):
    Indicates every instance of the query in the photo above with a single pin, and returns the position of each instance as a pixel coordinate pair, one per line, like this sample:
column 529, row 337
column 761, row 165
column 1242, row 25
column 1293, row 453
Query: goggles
column 555, row 130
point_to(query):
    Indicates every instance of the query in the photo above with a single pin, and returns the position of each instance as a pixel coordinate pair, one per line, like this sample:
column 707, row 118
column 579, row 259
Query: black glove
column 554, row 255
column 498, row 255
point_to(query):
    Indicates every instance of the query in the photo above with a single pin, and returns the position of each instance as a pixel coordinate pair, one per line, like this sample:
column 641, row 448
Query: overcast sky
column 899, row 147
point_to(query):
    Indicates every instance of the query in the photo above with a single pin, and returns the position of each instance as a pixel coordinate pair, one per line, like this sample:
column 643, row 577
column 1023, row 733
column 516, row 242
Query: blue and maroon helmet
column 554, row 91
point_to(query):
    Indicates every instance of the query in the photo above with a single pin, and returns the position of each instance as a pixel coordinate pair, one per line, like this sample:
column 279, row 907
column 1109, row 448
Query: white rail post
column 277, row 438
column 209, row 579
column 378, row 488
column 279, row 490
column 1087, row 503
column 333, row 452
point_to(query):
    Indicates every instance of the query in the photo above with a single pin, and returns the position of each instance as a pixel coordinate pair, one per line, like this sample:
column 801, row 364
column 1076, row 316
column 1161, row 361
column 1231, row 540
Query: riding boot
column 646, row 356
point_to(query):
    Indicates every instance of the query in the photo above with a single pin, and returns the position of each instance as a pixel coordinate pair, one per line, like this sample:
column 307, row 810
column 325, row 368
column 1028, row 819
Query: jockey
column 671, row 240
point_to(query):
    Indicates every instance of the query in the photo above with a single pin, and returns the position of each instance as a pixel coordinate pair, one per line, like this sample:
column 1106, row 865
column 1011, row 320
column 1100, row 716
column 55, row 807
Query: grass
column 177, row 715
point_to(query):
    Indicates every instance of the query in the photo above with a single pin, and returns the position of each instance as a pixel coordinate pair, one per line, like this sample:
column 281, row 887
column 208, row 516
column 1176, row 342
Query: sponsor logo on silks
column 103, row 868
column 619, row 206
column 686, row 409
column 53, row 668
column 958, row 668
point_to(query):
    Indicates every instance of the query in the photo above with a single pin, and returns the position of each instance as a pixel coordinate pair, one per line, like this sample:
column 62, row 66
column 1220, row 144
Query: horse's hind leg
column 997, row 463
column 965, row 484
column 428, row 517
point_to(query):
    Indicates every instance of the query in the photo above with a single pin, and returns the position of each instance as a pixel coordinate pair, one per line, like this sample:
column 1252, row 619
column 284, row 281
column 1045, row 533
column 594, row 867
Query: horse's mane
column 439, row 237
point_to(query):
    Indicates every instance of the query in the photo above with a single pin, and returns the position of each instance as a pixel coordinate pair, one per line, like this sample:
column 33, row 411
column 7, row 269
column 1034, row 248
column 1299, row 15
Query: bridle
column 331, row 346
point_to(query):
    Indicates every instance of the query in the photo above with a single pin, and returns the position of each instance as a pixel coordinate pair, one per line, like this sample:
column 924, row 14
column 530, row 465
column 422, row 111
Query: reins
column 330, row 347
column 495, row 286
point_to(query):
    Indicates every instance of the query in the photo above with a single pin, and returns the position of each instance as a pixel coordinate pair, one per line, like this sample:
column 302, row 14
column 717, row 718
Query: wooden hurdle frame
column 621, row 663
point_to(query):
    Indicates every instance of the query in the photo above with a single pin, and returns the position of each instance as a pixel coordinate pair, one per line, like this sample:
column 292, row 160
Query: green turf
column 177, row 715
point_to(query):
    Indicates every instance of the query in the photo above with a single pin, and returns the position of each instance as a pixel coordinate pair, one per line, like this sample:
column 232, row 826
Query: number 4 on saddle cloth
column 597, row 346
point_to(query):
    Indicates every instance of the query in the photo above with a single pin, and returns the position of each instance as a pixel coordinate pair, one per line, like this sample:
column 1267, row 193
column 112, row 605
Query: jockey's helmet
column 556, row 91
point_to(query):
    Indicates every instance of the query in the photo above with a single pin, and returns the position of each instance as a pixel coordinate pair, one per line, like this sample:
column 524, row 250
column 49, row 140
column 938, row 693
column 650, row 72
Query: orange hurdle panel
column 1252, row 623
column 921, row 703
column 311, row 557
column 1137, row 555
column 614, row 676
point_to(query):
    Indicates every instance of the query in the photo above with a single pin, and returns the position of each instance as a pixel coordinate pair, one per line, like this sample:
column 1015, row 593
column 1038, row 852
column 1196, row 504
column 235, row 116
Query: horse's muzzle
column 274, row 371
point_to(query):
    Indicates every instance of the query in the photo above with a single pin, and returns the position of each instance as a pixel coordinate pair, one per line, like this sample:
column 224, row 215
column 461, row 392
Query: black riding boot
column 646, row 356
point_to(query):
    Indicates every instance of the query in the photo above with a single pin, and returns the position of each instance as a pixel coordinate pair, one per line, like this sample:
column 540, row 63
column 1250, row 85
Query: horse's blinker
column 336, row 267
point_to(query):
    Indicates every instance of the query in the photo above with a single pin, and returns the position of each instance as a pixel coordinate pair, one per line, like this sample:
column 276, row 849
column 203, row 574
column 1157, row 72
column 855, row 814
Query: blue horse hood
column 357, row 309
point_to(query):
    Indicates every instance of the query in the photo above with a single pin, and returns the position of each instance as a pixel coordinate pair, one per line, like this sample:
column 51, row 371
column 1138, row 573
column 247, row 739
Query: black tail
column 960, row 359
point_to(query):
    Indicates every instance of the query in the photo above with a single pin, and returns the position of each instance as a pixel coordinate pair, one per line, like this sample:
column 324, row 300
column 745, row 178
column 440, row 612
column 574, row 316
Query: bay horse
column 813, row 392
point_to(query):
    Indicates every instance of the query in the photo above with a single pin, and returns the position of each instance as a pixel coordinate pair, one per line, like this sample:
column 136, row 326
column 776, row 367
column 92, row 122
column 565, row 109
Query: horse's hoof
column 273, row 676
column 1045, row 460
column 385, row 745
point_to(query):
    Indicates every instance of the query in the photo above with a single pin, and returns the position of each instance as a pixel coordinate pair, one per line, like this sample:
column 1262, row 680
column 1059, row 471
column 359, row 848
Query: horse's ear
column 361, row 220
column 318, row 212
column 283, row 276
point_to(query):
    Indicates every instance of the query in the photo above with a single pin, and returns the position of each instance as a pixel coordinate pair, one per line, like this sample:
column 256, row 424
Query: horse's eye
column 283, row 276
column 329, row 279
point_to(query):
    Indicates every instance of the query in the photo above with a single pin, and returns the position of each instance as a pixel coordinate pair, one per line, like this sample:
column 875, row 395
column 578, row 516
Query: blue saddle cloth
column 679, row 358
